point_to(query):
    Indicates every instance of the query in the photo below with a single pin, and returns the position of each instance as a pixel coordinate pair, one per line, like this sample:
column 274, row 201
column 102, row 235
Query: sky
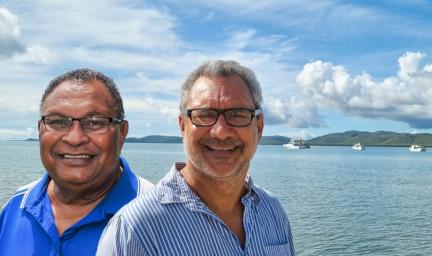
column 324, row 66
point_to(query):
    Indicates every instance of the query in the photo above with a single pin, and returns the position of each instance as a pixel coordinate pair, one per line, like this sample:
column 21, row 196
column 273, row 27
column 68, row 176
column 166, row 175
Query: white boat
column 417, row 148
column 296, row 144
column 358, row 146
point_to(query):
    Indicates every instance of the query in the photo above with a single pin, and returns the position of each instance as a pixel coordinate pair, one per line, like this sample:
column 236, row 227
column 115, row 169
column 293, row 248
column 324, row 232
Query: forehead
column 72, row 96
column 220, row 92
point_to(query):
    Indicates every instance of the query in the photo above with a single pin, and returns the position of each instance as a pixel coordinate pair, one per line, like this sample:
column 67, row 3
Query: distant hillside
column 265, row 140
column 380, row 138
column 274, row 140
column 155, row 139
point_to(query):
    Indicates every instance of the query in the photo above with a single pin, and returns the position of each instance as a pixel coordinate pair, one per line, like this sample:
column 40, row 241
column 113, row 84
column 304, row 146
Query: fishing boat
column 417, row 148
column 358, row 146
column 296, row 143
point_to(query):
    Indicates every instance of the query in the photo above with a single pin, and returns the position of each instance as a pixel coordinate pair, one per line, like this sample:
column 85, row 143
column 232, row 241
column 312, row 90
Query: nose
column 221, row 130
column 75, row 136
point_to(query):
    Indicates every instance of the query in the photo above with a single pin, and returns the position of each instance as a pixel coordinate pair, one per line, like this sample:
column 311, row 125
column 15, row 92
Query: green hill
column 379, row 138
column 155, row 139
column 274, row 140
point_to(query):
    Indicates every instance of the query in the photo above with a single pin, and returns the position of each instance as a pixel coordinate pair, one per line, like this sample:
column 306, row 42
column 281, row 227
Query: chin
column 217, row 174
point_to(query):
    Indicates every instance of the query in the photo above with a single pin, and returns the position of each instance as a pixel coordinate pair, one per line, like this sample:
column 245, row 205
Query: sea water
column 339, row 201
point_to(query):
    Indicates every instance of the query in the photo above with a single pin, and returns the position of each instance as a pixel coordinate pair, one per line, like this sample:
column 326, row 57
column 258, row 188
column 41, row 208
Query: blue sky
column 324, row 66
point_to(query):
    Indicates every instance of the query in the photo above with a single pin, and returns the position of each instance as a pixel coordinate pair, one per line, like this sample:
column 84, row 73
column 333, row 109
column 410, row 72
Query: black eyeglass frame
column 254, row 113
column 113, row 120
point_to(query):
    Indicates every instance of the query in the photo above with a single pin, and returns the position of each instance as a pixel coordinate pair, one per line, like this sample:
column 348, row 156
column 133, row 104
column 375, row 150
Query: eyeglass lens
column 88, row 124
column 234, row 117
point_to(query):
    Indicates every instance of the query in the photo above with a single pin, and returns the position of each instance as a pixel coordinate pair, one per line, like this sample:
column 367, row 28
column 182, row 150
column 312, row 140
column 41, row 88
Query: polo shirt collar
column 124, row 191
column 35, row 192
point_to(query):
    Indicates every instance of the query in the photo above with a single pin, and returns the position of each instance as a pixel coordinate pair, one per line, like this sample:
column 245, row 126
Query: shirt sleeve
column 119, row 239
column 290, row 237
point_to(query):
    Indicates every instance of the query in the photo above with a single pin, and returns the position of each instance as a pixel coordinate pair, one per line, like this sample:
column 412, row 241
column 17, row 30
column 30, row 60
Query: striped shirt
column 172, row 220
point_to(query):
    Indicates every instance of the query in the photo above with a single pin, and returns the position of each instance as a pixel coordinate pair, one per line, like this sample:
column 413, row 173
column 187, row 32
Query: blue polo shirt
column 27, row 223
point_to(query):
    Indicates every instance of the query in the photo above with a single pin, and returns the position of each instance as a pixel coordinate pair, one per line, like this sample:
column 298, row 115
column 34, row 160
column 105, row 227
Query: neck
column 69, row 205
column 218, row 194
column 222, row 197
column 80, row 195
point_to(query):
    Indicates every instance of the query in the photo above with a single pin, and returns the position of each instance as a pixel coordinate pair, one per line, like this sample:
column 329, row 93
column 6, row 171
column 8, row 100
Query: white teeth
column 76, row 156
column 221, row 148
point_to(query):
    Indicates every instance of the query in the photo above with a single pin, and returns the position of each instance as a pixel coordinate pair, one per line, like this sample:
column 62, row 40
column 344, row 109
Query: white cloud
column 10, row 45
column 310, row 15
column 150, row 107
column 405, row 97
column 241, row 39
column 294, row 112
column 102, row 24
column 250, row 41
column 149, row 49
column 408, row 64
column 35, row 54
column 9, row 33
column 428, row 68
column 117, row 37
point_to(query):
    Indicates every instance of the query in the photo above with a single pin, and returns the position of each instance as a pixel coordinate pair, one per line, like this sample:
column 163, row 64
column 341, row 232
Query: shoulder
column 143, row 185
column 119, row 238
column 139, row 219
column 265, row 195
column 20, row 196
column 149, row 209
column 271, row 213
column 143, row 205
column 269, row 203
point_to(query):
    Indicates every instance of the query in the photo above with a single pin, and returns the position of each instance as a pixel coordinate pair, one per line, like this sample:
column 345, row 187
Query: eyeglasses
column 233, row 117
column 89, row 124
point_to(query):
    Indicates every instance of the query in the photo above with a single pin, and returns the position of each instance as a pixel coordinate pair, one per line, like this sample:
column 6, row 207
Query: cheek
column 191, row 141
column 47, row 141
column 251, row 138
column 109, row 146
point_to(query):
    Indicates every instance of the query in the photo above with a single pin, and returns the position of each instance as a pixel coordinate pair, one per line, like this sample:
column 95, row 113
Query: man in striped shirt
column 208, row 205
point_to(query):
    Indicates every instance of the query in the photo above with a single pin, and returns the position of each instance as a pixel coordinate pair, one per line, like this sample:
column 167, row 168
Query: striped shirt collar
column 174, row 189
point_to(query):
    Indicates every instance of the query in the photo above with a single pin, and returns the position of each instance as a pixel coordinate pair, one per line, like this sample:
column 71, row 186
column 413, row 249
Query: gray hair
column 85, row 75
column 224, row 68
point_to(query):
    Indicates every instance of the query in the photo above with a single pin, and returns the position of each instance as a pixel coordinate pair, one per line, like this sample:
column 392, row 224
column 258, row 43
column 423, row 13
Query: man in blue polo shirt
column 81, row 134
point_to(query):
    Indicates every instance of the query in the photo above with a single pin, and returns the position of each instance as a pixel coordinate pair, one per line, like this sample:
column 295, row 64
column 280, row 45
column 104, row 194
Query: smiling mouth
column 216, row 148
column 76, row 156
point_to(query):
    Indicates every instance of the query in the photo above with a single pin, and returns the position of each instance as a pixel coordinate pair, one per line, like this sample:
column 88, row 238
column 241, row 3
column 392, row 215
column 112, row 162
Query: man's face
column 74, row 158
column 220, row 151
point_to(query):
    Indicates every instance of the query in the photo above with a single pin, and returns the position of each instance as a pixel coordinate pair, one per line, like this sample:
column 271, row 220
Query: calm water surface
column 339, row 201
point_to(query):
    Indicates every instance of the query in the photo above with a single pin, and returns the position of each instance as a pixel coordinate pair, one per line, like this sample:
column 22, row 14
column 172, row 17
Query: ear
column 260, row 125
column 181, row 123
column 124, row 129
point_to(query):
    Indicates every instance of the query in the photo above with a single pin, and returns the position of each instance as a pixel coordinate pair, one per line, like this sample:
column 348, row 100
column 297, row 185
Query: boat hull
column 417, row 148
column 291, row 146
